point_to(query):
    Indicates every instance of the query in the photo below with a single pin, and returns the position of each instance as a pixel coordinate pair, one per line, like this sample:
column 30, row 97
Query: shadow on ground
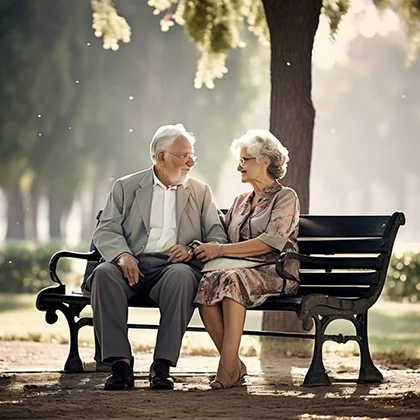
column 31, row 386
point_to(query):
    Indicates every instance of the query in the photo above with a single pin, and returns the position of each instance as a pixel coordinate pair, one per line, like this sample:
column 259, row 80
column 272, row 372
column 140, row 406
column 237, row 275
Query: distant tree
column 44, row 109
column 38, row 101
column 74, row 116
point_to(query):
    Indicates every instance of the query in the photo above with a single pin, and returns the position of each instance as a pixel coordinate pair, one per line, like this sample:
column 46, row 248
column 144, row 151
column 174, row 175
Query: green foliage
column 197, row 18
column 24, row 266
column 109, row 25
column 335, row 10
column 403, row 281
column 409, row 13
column 214, row 26
column 220, row 37
column 257, row 23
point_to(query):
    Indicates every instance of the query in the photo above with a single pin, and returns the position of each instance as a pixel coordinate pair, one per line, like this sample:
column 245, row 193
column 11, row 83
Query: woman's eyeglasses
column 243, row 160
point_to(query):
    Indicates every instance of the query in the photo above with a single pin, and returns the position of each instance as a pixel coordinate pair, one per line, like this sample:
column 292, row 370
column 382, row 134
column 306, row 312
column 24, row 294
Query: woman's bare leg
column 229, row 370
column 233, row 323
column 212, row 318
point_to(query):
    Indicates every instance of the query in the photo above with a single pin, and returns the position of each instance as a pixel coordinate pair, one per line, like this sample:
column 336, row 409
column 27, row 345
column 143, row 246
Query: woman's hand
column 207, row 252
column 179, row 253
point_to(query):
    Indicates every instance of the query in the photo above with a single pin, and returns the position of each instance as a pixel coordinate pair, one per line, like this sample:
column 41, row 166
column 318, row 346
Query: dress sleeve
column 284, row 218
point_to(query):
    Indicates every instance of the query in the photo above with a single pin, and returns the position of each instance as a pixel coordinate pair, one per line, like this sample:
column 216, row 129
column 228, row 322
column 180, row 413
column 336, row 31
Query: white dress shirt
column 163, row 231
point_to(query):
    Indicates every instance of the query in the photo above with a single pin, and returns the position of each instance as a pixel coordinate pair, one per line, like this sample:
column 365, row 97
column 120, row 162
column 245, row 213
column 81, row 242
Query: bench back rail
column 344, row 256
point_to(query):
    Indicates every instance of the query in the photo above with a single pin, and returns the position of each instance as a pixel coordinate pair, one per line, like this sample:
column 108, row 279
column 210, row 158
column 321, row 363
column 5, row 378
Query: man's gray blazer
column 124, row 225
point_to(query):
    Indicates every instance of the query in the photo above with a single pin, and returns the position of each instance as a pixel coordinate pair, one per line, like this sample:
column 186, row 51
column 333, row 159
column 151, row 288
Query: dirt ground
column 31, row 386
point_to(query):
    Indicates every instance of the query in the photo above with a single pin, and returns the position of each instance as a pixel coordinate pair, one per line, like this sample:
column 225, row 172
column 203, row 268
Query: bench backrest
column 355, row 251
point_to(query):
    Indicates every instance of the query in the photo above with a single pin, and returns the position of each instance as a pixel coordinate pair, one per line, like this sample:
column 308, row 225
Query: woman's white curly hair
column 263, row 144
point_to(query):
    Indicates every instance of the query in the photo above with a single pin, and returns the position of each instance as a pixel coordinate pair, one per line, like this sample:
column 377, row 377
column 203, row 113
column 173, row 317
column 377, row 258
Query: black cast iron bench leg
column 317, row 375
column 73, row 363
column 368, row 373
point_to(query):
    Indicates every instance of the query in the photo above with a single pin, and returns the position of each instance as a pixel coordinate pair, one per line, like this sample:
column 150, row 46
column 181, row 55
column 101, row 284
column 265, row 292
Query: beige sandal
column 243, row 371
column 225, row 379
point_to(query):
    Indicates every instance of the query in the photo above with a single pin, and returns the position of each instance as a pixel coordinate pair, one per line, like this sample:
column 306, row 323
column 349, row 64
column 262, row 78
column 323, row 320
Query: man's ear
column 160, row 156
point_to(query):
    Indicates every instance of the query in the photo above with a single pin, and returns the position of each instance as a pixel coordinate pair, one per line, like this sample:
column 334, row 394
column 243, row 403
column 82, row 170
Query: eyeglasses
column 185, row 157
column 243, row 160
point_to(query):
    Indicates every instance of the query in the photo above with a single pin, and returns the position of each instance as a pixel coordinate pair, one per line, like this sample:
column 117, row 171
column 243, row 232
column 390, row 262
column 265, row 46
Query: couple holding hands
column 161, row 235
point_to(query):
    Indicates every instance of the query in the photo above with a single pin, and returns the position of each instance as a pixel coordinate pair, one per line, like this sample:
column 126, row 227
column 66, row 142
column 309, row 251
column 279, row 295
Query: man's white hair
column 263, row 144
column 165, row 136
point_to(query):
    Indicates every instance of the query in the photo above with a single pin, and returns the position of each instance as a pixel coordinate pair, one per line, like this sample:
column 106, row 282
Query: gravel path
column 31, row 386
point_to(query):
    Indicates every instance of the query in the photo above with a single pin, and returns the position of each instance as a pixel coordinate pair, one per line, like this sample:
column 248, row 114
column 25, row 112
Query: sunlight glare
column 362, row 19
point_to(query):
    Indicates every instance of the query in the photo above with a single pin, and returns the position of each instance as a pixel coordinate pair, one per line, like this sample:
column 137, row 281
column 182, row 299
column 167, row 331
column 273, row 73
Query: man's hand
column 130, row 268
column 179, row 253
column 207, row 252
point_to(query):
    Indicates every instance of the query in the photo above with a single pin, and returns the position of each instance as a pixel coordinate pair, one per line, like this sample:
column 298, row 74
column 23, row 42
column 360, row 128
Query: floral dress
column 275, row 222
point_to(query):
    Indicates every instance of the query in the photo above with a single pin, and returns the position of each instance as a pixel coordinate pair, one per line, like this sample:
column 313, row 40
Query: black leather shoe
column 107, row 366
column 159, row 377
column 122, row 377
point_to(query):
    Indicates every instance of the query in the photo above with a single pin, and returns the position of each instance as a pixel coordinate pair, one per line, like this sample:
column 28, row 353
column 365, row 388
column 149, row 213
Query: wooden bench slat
column 289, row 302
column 286, row 303
column 346, row 226
column 367, row 263
column 342, row 246
column 342, row 279
column 344, row 292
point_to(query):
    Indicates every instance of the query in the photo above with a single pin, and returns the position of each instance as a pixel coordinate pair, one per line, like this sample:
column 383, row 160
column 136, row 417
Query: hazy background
column 75, row 117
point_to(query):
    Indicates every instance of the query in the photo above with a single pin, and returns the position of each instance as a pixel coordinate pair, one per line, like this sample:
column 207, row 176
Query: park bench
column 344, row 261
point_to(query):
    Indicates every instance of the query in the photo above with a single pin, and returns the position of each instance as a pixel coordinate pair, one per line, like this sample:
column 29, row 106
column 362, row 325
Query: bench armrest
column 329, row 263
column 88, row 256
column 280, row 268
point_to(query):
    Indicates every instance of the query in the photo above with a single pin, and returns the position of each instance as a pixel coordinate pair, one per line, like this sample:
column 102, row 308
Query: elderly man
column 148, row 220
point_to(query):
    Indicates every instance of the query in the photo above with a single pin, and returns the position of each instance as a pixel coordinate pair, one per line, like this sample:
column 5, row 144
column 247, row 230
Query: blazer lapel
column 144, row 197
column 182, row 195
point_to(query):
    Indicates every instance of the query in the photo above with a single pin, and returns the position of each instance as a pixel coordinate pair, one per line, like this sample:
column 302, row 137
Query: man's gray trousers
column 172, row 286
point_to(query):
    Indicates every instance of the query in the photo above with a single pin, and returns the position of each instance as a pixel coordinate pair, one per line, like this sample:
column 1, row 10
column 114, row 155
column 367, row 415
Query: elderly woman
column 260, row 224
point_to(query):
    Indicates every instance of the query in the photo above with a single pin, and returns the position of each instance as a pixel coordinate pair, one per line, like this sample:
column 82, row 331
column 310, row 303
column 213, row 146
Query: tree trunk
column 86, row 210
column 54, row 216
column 90, row 211
column 15, row 212
column 292, row 25
column 34, row 197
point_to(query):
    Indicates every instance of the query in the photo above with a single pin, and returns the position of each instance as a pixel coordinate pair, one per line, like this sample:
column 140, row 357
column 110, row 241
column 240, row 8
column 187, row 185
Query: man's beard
column 182, row 179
